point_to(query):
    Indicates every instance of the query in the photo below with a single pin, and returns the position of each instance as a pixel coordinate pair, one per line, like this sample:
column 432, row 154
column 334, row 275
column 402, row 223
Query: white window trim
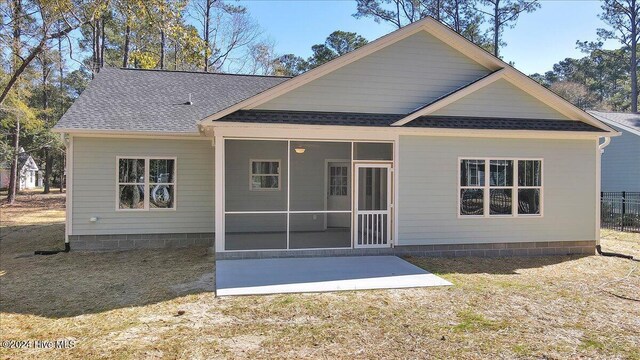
column 251, row 175
column 487, row 188
column 147, row 182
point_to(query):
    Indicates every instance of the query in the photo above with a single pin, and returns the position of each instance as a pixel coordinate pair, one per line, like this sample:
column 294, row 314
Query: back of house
column 419, row 142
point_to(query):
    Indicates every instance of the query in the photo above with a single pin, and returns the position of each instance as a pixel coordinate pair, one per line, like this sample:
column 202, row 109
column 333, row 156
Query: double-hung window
column 264, row 175
column 146, row 183
column 500, row 187
column 529, row 187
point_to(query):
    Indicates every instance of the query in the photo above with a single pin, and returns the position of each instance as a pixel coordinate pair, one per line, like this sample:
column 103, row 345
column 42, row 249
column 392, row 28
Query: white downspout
column 599, row 152
column 606, row 142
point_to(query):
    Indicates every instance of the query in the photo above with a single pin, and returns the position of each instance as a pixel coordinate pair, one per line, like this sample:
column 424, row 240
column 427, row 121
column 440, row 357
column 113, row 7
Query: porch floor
column 298, row 275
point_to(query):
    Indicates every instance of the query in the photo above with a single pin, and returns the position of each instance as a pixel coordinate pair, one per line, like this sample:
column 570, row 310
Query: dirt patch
column 206, row 282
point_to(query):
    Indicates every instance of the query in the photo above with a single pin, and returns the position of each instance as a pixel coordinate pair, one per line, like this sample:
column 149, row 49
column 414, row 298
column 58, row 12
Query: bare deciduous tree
column 228, row 31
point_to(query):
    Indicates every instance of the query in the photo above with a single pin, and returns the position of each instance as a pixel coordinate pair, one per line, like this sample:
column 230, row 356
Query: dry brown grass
column 124, row 305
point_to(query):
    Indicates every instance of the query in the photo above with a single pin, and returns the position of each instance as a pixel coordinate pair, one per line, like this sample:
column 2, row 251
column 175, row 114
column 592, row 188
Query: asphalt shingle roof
column 312, row 118
column 154, row 101
column 466, row 122
column 366, row 119
column 130, row 100
column 627, row 119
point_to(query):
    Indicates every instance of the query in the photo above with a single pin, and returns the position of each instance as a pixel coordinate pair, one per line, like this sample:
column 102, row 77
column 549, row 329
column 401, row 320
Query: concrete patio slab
column 299, row 275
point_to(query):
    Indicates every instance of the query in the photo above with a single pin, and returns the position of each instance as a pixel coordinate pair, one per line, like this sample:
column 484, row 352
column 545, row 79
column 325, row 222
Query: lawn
column 157, row 304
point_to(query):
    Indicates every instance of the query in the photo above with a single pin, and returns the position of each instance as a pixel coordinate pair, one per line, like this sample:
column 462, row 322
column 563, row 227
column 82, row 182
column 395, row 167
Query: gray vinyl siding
column 500, row 99
column 428, row 170
column 396, row 80
column 621, row 163
column 94, row 187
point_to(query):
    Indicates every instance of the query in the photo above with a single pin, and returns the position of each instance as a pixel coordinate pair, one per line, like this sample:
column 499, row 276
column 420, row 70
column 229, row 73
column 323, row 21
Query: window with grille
column 146, row 183
column 500, row 187
column 338, row 180
column 264, row 175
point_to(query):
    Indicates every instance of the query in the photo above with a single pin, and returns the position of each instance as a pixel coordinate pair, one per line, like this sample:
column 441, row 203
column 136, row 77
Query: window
column 510, row 187
column 264, row 175
column 146, row 183
column 472, row 187
column 500, row 187
column 161, row 183
column 529, row 187
column 338, row 180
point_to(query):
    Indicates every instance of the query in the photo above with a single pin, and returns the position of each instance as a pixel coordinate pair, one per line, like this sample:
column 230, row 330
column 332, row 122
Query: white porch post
column 219, row 192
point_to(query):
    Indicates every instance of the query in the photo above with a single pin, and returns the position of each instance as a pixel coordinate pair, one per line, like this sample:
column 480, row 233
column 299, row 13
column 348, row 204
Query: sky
column 538, row 41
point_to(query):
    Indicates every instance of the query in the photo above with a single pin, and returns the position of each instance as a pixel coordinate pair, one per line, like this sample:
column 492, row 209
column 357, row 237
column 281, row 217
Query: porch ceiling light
column 299, row 150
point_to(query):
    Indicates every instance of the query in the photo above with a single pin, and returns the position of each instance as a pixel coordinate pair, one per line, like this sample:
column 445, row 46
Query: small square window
column 146, row 183
column 265, row 175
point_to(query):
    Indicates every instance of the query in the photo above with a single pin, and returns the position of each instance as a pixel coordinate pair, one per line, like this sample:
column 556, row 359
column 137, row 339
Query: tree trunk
column 102, row 45
column 634, row 62
column 175, row 55
column 457, row 26
column 162, row 47
column 496, row 28
column 48, row 161
column 13, row 177
column 94, row 54
column 16, row 47
column 45, row 107
column 125, row 51
column 207, row 20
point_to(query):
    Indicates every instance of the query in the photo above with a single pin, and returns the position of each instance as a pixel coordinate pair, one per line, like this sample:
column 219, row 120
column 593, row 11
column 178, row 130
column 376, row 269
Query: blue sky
column 539, row 40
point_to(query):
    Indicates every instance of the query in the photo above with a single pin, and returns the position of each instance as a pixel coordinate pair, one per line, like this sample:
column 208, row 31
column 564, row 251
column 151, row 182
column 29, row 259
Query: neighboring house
column 27, row 170
column 419, row 142
column 621, row 158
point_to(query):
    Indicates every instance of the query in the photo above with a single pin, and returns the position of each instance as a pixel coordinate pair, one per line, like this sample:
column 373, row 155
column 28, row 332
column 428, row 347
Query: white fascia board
column 617, row 125
column 338, row 132
column 137, row 134
column 452, row 97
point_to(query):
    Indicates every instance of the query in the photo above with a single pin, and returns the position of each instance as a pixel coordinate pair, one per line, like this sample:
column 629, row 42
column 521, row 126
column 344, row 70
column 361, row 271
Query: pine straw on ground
column 142, row 304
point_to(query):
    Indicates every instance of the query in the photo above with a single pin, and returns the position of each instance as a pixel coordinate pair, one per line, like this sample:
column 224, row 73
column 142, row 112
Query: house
column 621, row 160
column 27, row 169
column 419, row 142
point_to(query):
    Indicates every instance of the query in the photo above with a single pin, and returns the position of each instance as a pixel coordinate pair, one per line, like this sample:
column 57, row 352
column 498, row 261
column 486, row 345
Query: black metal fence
column 620, row 211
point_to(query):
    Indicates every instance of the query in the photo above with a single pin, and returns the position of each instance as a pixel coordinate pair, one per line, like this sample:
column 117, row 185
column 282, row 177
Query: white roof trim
column 443, row 33
column 603, row 118
column 452, row 97
column 123, row 132
column 513, row 77
column 427, row 24
column 339, row 131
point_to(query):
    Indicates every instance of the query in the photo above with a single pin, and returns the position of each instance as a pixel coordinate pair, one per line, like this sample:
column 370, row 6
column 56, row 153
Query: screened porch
column 294, row 194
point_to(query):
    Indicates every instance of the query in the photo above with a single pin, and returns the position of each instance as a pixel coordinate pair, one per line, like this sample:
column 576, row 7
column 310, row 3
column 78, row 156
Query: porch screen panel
column 318, row 230
column 255, row 231
column 373, row 151
column 255, row 175
column 311, row 176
